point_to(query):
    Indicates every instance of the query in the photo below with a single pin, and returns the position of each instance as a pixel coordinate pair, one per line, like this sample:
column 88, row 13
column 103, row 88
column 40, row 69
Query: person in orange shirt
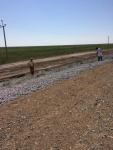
column 31, row 66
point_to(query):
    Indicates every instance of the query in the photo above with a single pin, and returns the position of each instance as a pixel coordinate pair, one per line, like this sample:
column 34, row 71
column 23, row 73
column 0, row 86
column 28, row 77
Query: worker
column 31, row 66
column 99, row 54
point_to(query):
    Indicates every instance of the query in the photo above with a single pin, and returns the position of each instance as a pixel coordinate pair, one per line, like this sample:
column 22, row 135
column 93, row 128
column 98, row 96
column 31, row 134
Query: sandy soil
column 73, row 114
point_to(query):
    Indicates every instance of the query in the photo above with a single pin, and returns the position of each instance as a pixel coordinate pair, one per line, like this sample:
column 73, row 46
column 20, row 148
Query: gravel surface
column 14, row 88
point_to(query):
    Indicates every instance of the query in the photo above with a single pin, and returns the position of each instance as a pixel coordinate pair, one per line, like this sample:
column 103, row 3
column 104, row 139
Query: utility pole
column 108, row 40
column 3, row 27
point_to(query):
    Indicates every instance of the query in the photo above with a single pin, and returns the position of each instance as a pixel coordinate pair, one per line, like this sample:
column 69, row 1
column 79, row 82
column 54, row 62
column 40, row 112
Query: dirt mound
column 73, row 114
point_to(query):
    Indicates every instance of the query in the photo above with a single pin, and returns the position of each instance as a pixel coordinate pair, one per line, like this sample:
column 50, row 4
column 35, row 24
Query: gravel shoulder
column 72, row 114
column 14, row 88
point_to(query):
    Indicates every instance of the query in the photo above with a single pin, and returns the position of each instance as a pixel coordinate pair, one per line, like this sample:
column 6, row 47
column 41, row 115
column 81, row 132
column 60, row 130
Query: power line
column 3, row 27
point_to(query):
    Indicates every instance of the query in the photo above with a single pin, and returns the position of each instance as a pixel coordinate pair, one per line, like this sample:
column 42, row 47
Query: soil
column 74, row 114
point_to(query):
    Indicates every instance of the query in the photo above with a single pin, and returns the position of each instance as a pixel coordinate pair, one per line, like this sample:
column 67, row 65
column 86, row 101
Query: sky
column 56, row 22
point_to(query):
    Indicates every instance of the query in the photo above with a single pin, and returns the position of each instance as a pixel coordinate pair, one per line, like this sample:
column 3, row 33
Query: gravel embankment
column 13, row 88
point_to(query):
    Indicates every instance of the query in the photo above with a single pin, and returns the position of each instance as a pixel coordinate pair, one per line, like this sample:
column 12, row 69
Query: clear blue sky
column 56, row 22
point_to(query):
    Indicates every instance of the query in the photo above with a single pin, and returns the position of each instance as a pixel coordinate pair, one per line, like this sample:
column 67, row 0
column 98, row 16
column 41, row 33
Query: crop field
column 16, row 54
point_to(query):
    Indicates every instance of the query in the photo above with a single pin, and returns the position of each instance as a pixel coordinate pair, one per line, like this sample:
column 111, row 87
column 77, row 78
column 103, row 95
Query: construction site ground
column 73, row 114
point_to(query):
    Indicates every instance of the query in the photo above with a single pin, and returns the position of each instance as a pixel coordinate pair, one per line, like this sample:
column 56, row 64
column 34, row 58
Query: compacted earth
column 72, row 114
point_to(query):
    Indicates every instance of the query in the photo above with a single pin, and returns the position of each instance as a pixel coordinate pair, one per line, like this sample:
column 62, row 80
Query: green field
column 24, row 53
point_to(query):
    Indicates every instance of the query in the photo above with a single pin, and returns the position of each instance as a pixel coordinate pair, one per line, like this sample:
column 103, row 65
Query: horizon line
column 54, row 45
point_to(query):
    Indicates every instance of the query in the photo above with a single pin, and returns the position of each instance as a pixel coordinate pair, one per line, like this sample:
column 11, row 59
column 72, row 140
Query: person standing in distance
column 31, row 66
column 99, row 54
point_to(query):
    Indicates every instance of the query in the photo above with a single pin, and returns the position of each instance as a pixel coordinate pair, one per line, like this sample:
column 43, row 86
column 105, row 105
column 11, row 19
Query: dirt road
column 21, row 68
column 74, row 114
column 23, row 63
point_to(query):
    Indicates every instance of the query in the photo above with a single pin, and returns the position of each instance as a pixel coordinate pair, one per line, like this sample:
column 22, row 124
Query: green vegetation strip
column 24, row 53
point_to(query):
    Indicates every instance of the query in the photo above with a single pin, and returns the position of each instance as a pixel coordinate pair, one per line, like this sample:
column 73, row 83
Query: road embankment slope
column 73, row 114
